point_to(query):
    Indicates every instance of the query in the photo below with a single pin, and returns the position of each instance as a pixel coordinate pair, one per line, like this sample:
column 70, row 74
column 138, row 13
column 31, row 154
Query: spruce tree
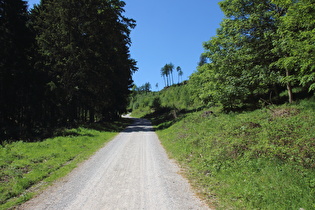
column 85, row 44
column 15, row 39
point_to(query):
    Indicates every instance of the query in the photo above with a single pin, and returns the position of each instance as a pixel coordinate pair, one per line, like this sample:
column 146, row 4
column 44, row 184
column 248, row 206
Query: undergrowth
column 264, row 159
column 28, row 167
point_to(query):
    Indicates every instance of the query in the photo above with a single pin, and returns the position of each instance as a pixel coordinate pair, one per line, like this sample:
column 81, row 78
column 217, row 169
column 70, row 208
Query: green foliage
column 84, row 48
column 295, row 43
column 252, row 160
column 176, row 97
column 64, row 63
column 260, row 48
column 156, row 104
column 143, row 88
column 26, row 165
column 240, row 56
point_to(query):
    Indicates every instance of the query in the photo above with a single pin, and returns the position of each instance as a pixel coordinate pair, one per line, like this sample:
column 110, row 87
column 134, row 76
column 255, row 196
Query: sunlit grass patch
column 263, row 159
column 27, row 165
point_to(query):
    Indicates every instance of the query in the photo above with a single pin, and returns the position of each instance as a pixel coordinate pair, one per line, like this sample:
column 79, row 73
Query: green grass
column 263, row 159
column 27, row 167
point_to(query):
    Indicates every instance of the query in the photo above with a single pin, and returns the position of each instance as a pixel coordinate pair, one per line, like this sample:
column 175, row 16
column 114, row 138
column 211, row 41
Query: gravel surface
column 130, row 172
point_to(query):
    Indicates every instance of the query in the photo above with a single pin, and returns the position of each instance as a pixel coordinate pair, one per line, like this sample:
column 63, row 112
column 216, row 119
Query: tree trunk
column 289, row 88
column 92, row 115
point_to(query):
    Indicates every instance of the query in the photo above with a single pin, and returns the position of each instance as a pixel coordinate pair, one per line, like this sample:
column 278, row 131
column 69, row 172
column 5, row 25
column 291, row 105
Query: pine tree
column 85, row 46
column 15, row 39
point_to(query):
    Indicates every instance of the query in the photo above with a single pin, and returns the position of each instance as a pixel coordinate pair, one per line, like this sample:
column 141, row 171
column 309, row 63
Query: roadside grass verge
column 264, row 159
column 29, row 167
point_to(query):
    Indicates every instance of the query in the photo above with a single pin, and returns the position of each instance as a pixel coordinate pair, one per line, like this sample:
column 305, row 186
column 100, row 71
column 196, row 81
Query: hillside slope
column 260, row 159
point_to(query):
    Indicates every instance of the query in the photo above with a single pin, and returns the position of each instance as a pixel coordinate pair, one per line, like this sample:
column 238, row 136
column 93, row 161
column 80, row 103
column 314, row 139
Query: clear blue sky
column 169, row 31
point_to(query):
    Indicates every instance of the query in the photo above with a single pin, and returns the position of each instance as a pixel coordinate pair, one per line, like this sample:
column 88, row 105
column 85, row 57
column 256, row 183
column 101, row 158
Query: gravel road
column 130, row 172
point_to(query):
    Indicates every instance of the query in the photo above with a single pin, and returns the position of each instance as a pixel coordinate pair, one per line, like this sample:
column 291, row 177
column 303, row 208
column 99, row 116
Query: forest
column 263, row 53
column 68, row 63
column 263, row 47
column 62, row 64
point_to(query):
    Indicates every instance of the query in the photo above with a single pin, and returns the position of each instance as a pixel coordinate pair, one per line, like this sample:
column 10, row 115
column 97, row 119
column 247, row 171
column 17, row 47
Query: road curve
column 130, row 172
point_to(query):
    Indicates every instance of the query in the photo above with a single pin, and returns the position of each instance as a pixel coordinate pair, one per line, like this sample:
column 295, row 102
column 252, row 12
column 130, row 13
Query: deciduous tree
column 241, row 53
column 295, row 44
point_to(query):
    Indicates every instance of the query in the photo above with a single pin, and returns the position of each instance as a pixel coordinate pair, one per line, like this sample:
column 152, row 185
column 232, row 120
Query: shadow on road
column 139, row 125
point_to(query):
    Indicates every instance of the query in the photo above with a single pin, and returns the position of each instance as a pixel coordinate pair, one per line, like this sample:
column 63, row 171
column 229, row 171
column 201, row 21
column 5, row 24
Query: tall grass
column 26, row 166
column 263, row 159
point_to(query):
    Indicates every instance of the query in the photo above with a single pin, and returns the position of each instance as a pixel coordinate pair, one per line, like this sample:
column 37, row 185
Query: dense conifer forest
column 63, row 63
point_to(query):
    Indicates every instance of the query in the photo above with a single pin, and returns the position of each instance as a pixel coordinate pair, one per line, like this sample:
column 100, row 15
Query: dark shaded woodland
column 63, row 63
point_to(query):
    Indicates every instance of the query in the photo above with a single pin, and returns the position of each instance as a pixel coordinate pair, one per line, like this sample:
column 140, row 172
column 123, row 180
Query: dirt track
column 131, row 172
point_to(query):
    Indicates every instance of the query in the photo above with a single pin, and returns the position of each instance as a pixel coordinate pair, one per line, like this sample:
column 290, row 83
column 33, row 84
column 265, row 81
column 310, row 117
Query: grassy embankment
column 264, row 159
column 29, row 167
